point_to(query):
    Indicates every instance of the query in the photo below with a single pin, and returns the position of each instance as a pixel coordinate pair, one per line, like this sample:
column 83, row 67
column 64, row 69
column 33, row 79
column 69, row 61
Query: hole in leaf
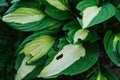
column 59, row 57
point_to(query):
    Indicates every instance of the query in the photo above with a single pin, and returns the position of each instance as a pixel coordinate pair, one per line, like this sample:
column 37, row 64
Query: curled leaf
column 24, row 69
column 38, row 47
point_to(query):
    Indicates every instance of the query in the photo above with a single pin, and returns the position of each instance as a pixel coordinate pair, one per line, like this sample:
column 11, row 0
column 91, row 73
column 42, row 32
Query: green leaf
column 87, row 18
column 57, row 9
column 98, row 15
column 32, row 70
column 24, row 69
column 117, row 15
column 92, row 36
column 111, row 44
column 34, row 35
column 3, row 60
column 72, row 27
column 19, row 61
column 91, row 56
column 38, row 47
column 101, row 77
column 58, row 4
column 13, row 1
column 61, row 61
column 27, row 18
column 28, row 39
column 109, row 74
column 72, row 35
column 107, row 11
column 93, row 77
column 62, row 42
column 28, row 15
column 92, row 53
column 3, row 3
column 86, row 3
column 81, row 34
column 34, row 73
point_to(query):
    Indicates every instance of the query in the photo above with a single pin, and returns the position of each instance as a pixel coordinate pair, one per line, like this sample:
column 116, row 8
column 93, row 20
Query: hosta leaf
column 109, row 74
column 92, row 36
column 58, row 4
column 3, row 3
column 93, row 77
column 98, row 15
column 57, row 9
column 22, row 17
column 19, row 61
column 86, row 3
column 103, row 74
column 89, row 14
column 117, row 15
column 84, row 63
column 3, row 60
column 62, row 42
column 72, row 27
column 107, row 11
column 14, row 1
column 81, row 34
column 101, row 77
column 38, row 47
column 111, row 44
column 61, row 61
column 35, row 72
column 31, row 40
column 1, row 10
column 24, row 69
column 33, row 36
column 91, row 56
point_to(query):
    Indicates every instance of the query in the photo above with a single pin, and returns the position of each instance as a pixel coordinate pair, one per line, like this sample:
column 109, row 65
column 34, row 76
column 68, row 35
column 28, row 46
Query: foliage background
column 9, row 41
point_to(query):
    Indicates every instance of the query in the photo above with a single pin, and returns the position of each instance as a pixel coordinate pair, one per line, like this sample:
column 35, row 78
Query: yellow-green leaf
column 101, row 77
column 57, row 4
column 81, row 34
column 38, row 47
column 23, row 16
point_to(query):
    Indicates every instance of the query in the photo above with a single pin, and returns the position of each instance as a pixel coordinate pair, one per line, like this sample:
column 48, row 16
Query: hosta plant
column 67, row 38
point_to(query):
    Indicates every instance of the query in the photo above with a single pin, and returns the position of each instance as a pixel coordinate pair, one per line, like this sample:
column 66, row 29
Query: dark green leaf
column 109, row 74
column 86, row 62
column 86, row 3
column 54, row 11
column 31, row 37
column 117, row 15
column 3, row 3
column 72, row 27
column 107, row 11
column 111, row 47
column 19, row 17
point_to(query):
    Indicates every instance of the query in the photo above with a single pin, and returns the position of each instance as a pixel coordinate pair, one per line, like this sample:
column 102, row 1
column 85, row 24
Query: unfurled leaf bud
column 101, row 77
column 81, row 34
